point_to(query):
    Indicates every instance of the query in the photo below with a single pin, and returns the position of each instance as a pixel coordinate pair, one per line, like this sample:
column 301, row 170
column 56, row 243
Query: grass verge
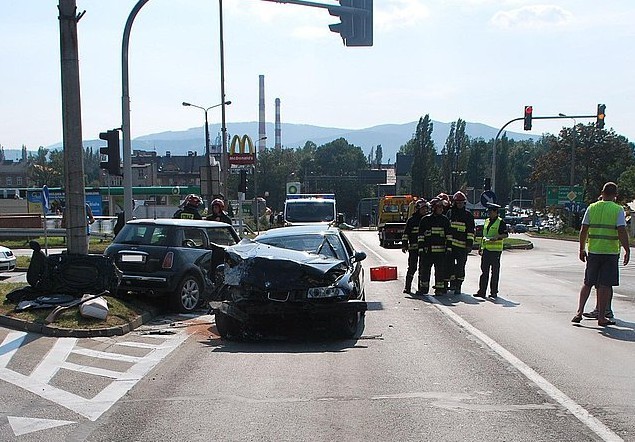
column 120, row 312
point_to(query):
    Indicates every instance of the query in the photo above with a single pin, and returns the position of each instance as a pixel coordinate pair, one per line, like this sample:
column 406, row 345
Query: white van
column 309, row 208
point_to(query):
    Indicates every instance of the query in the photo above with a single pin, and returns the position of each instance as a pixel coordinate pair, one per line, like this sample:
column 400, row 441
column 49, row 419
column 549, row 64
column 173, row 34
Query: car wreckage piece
column 259, row 280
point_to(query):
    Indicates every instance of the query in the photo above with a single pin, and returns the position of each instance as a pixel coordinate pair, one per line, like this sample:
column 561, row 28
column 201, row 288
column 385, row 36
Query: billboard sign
column 241, row 155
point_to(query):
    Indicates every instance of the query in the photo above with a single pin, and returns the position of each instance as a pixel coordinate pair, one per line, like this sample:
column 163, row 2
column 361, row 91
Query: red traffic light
column 528, row 115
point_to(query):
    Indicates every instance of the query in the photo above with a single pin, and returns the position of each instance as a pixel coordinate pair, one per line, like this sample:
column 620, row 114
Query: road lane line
column 594, row 424
column 9, row 346
column 370, row 249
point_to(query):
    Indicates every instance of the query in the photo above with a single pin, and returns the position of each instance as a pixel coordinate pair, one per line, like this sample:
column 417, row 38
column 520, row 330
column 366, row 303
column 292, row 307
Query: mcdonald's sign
column 242, row 156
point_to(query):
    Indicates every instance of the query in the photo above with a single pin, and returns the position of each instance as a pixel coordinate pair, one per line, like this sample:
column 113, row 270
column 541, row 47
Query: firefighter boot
column 408, row 286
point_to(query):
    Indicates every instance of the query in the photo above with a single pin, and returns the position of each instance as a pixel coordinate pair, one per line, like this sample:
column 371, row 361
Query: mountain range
column 390, row 136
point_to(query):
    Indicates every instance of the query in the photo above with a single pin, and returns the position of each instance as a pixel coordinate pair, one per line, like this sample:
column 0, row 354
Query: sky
column 478, row 60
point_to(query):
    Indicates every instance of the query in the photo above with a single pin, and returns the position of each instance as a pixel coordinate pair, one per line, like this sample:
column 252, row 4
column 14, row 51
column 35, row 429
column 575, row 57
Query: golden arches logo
column 242, row 144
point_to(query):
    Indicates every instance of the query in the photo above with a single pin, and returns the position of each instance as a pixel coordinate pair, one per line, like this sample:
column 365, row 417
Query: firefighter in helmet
column 190, row 208
column 434, row 230
column 218, row 212
column 461, row 240
column 410, row 240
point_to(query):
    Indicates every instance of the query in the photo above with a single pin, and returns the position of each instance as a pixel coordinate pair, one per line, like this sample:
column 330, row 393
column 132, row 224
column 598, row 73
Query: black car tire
column 348, row 326
column 227, row 326
column 188, row 294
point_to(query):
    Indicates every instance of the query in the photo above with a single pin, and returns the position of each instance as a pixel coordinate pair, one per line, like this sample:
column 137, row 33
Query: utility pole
column 75, row 212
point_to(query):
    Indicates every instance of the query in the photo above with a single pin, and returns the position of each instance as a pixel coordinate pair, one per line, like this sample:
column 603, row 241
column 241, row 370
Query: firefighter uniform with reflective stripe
column 461, row 240
column 410, row 243
column 491, row 250
column 434, row 230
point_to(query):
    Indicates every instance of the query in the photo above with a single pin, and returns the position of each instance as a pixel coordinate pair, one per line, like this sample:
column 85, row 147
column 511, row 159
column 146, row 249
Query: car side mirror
column 359, row 256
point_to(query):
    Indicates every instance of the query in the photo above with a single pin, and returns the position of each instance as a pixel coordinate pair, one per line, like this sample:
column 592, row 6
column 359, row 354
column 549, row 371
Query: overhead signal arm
column 356, row 19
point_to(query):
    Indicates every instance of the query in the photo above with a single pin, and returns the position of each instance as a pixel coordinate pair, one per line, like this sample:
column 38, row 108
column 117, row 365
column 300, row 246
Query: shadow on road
column 288, row 337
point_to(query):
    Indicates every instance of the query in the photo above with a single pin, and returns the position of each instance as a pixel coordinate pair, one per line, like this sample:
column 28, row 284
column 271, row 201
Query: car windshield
column 327, row 245
column 310, row 211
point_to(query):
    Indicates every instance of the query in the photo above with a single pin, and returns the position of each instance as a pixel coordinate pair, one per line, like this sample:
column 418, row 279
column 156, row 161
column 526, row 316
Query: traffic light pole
column 557, row 117
column 125, row 113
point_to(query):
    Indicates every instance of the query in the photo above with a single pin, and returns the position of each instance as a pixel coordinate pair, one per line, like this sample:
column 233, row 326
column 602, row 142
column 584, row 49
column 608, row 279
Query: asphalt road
column 448, row 368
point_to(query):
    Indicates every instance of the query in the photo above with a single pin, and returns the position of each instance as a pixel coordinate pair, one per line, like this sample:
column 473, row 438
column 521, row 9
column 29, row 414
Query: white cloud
column 390, row 14
column 532, row 17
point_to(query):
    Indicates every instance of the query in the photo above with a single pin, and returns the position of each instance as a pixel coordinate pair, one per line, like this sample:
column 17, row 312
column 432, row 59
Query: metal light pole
column 573, row 143
column 257, row 214
column 208, row 160
column 224, row 160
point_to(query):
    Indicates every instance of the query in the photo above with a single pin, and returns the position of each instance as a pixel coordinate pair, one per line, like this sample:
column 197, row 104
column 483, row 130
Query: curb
column 51, row 330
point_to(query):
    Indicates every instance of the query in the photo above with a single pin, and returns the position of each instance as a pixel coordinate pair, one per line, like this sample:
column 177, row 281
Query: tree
column 378, row 156
column 600, row 156
column 424, row 172
column 44, row 171
column 455, row 156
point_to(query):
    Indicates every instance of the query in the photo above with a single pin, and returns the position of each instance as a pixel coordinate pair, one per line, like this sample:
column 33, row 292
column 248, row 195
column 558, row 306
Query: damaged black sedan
column 303, row 273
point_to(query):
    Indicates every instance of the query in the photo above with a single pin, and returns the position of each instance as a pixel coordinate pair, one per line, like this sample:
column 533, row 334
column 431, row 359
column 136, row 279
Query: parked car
column 520, row 228
column 171, row 258
column 7, row 259
column 302, row 272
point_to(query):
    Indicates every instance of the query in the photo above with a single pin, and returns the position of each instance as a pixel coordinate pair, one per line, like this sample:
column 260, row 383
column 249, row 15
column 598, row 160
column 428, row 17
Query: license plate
column 133, row 258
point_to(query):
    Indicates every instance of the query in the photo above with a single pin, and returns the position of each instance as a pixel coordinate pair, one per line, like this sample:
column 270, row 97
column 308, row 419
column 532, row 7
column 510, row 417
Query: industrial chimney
column 262, row 132
column 278, row 129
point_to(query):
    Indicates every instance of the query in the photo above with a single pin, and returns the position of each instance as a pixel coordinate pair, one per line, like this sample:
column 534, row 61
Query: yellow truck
column 393, row 212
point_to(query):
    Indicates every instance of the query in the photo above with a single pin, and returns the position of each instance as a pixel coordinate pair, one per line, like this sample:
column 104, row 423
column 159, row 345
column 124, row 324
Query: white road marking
column 25, row 425
column 106, row 355
column 370, row 249
column 594, row 424
column 9, row 346
column 49, row 366
column 38, row 381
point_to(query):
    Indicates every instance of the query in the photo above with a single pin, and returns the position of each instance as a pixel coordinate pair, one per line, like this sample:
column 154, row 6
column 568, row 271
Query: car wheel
column 188, row 294
column 227, row 326
column 347, row 327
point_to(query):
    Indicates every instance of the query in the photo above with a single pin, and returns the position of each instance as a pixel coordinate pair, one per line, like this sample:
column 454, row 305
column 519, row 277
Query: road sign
column 45, row 199
column 293, row 188
column 488, row 197
column 560, row 195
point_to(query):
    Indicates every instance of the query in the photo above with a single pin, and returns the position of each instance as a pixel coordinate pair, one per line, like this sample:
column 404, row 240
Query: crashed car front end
column 260, row 280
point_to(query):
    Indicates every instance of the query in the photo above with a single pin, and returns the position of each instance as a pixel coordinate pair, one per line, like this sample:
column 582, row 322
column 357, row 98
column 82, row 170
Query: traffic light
column 528, row 114
column 487, row 184
column 112, row 164
column 242, row 186
column 600, row 120
column 356, row 22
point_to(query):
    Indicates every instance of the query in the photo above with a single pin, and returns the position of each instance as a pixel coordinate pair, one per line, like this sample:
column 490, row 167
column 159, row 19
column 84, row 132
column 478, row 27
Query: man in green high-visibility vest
column 603, row 231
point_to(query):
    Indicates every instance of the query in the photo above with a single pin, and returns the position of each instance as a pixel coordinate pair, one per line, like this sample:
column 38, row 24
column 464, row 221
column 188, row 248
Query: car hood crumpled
column 266, row 267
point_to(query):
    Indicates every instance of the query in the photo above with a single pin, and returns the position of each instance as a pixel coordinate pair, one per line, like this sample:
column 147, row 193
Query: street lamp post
column 208, row 160
column 255, row 185
column 573, row 142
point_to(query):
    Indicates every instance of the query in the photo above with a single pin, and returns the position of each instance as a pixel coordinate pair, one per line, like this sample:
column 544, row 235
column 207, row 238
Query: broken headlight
column 324, row 292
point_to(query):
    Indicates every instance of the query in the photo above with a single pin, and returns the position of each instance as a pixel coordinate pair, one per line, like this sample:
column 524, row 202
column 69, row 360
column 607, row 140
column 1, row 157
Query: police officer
column 434, row 230
column 461, row 239
column 190, row 210
column 410, row 240
column 494, row 232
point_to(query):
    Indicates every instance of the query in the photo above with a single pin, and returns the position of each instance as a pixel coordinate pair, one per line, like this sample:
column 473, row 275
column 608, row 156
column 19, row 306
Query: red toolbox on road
column 383, row 273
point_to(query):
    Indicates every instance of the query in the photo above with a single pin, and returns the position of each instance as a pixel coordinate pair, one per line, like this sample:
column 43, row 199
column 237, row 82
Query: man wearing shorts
column 604, row 227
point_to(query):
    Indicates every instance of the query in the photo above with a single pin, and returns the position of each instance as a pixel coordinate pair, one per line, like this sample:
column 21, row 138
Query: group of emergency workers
column 190, row 209
column 439, row 234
